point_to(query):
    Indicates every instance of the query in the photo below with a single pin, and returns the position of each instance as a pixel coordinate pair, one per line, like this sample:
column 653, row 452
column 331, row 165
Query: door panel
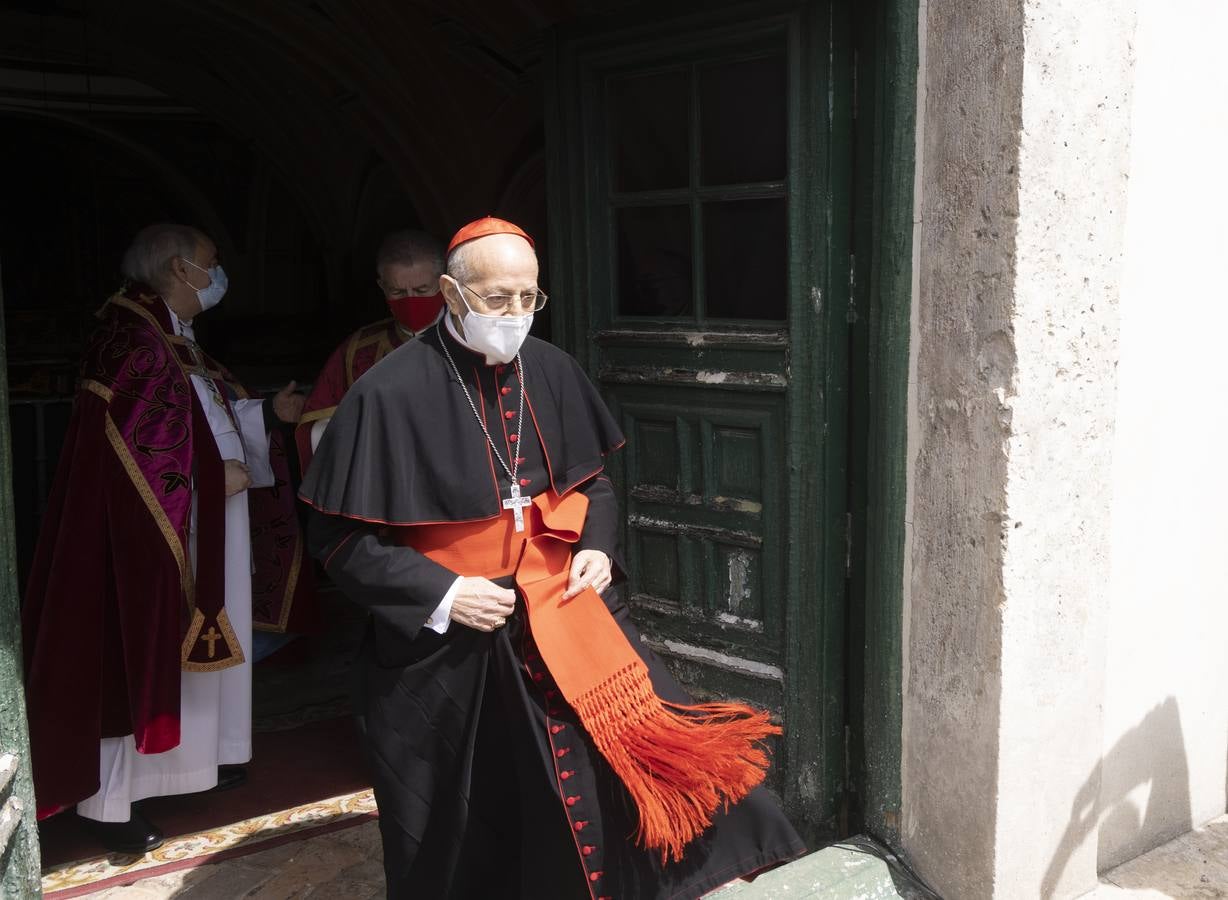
column 691, row 235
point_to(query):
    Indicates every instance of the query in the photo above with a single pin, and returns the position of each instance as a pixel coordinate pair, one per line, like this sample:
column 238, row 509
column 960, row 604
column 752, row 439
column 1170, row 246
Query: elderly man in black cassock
column 522, row 740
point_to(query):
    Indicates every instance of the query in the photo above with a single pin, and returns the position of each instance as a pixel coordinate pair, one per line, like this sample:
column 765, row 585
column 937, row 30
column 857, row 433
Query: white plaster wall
column 1073, row 166
column 1166, row 700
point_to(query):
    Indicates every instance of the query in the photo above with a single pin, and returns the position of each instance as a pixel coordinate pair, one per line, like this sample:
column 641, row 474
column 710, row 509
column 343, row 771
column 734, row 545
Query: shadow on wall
column 1152, row 753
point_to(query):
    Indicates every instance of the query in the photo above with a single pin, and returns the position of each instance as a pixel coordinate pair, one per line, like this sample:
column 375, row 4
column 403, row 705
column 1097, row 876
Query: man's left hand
column 589, row 568
column 288, row 405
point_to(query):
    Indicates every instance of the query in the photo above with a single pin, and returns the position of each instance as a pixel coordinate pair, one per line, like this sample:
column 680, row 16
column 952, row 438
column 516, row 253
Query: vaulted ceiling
column 446, row 93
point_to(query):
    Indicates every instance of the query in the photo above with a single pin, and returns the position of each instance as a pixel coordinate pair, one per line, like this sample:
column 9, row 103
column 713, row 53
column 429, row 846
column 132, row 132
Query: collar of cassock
column 181, row 328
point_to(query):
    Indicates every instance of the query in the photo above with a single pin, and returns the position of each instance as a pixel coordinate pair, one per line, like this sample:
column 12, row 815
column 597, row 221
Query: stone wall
column 1073, row 162
column 1165, row 744
column 968, row 150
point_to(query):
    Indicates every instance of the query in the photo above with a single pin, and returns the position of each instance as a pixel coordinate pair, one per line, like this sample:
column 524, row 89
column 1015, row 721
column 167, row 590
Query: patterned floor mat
column 248, row 836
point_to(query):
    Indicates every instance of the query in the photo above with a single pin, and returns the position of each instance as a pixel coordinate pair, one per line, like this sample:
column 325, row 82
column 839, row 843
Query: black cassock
column 486, row 783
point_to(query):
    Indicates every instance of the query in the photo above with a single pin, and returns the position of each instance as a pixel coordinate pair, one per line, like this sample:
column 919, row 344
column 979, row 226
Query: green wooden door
column 700, row 261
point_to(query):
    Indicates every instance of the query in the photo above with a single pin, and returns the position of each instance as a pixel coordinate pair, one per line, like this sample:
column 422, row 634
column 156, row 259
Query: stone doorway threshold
column 854, row 868
column 1194, row 865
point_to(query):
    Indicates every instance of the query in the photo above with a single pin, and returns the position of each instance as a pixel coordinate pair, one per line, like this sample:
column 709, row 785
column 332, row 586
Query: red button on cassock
column 562, row 751
column 587, row 849
column 572, row 801
column 524, row 482
column 513, row 437
column 555, row 729
column 551, row 692
column 519, row 460
column 538, row 676
column 509, row 415
column 580, row 826
column 505, row 391
column 593, row 876
column 566, row 775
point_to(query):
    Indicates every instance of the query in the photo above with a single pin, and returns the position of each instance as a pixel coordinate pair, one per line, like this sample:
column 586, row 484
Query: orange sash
column 679, row 763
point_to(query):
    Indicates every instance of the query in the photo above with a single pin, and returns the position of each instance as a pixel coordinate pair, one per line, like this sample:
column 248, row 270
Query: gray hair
column 408, row 248
column 148, row 259
column 459, row 266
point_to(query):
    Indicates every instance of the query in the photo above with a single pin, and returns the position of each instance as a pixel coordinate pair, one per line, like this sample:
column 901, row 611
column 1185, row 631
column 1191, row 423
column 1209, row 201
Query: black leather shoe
column 135, row 837
column 229, row 777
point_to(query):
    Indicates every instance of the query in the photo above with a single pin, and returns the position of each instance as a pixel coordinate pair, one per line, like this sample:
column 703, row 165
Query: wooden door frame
column 19, row 858
column 887, row 73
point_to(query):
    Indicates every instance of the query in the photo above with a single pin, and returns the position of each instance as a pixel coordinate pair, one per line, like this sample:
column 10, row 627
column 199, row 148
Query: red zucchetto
column 484, row 226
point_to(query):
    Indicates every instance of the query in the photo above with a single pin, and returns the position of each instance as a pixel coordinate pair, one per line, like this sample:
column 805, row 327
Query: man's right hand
column 237, row 478
column 481, row 604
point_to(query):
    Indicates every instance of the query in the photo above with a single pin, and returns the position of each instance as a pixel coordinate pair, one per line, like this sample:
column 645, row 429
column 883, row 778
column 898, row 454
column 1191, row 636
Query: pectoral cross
column 211, row 637
column 516, row 504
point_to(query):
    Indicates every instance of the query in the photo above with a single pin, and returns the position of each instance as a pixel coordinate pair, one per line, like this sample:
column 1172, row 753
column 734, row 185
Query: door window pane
column 745, row 259
column 649, row 116
column 743, row 130
column 654, row 261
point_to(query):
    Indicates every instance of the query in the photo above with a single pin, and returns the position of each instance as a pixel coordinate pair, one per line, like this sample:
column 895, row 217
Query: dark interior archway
column 299, row 132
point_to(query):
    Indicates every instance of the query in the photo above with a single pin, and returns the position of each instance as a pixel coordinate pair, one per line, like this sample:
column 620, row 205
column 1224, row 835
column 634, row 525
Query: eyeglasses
column 533, row 301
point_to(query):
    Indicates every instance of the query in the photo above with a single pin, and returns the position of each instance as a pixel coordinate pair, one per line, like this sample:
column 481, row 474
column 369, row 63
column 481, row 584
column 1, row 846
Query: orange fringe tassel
column 680, row 763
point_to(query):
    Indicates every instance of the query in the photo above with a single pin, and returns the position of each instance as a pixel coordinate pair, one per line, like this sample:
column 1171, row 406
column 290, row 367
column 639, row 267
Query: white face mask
column 499, row 337
column 210, row 295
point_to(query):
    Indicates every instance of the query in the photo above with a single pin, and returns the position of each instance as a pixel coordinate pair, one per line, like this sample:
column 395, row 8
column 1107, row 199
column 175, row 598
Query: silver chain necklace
column 516, row 503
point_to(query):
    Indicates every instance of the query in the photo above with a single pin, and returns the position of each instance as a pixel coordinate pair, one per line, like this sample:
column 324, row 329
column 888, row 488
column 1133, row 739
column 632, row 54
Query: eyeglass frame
column 540, row 294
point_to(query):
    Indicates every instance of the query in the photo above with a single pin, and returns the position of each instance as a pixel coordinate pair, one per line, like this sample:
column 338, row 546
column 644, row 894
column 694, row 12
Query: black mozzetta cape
column 404, row 447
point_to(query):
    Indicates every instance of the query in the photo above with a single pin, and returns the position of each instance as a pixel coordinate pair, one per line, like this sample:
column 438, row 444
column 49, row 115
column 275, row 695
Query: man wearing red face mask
column 407, row 270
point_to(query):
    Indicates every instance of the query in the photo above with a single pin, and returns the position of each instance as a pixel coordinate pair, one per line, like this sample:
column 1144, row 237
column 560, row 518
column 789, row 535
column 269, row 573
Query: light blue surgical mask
column 210, row 295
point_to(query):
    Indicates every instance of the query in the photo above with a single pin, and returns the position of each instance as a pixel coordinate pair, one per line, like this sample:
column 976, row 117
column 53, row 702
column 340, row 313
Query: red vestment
column 112, row 610
column 357, row 353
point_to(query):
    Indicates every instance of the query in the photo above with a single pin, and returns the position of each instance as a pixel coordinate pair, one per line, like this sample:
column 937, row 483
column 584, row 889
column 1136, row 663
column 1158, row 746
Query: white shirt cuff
column 250, row 414
column 317, row 431
column 441, row 617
